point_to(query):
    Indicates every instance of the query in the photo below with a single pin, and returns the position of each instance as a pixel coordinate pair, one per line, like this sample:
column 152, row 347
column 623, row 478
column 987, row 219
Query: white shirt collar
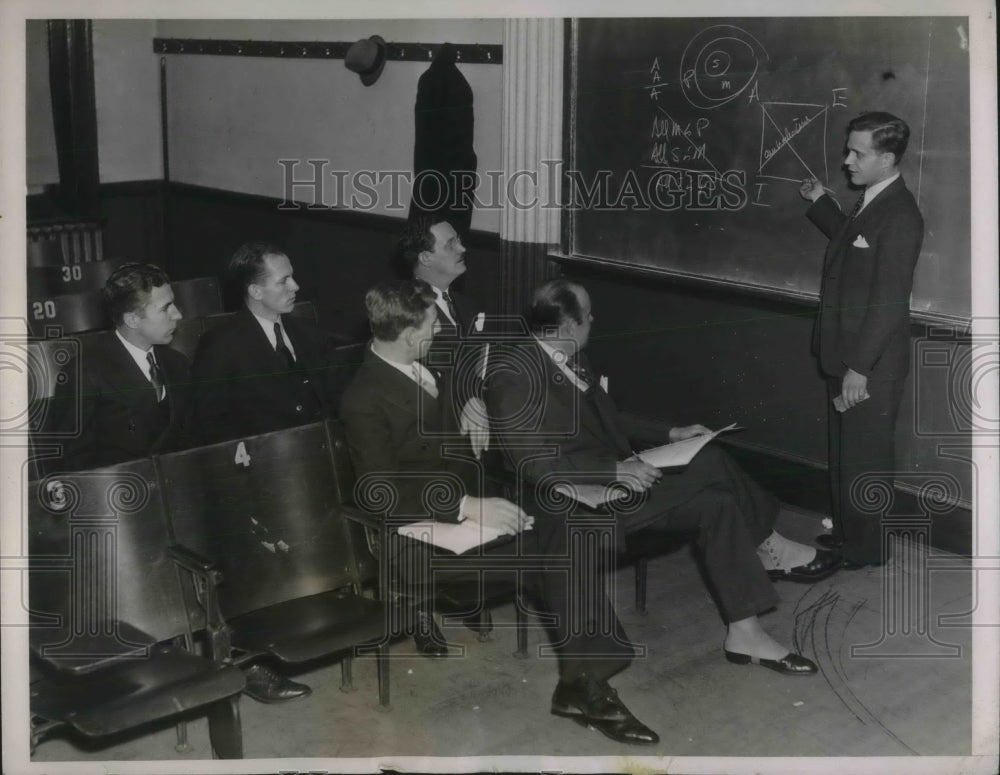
column 138, row 355
column 268, row 326
column 873, row 191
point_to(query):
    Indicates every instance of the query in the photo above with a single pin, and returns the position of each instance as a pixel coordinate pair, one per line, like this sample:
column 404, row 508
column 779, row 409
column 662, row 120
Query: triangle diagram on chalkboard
column 793, row 141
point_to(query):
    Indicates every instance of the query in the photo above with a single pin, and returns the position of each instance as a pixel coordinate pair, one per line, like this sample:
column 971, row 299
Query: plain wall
column 232, row 119
column 127, row 86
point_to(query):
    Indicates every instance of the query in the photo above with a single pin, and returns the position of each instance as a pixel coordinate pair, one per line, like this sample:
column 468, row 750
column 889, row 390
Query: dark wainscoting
column 337, row 254
column 677, row 354
column 674, row 353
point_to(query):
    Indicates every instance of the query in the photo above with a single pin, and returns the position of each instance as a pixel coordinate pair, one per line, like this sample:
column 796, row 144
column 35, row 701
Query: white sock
column 777, row 552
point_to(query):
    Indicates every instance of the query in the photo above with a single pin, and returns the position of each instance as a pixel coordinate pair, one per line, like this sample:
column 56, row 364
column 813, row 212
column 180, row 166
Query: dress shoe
column 631, row 730
column 264, row 685
column 821, row 566
column 590, row 700
column 426, row 635
column 829, row 541
column 790, row 664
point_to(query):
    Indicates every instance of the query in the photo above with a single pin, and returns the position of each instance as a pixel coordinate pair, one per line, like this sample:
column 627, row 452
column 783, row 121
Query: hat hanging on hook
column 367, row 58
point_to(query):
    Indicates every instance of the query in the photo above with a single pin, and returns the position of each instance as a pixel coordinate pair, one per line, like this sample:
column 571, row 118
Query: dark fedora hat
column 367, row 58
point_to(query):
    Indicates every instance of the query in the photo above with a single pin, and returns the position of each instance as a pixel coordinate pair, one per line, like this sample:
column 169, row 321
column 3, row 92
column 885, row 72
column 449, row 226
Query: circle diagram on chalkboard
column 718, row 64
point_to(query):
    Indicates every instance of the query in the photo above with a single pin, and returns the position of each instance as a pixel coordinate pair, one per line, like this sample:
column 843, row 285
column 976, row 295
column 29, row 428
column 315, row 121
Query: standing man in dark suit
column 432, row 251
column 862, row 334
column 264, row 369
column 133, row 390
column 553, row 419
column 392, row 415
column 261, row 371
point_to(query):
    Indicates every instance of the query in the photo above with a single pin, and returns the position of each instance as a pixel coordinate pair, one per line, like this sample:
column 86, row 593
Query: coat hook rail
column 466, row 53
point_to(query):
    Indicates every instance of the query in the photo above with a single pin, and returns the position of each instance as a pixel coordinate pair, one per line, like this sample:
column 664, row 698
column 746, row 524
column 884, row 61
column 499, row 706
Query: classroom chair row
column 76, row 312
column 152, row 581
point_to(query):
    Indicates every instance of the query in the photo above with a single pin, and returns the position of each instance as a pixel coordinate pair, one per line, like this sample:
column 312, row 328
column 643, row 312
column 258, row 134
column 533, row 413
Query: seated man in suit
column 264, row 369
column 432, row 251
column 542, row 395
column 261, row 371
column 392, row 414
column 133, row 389
column 393, row 417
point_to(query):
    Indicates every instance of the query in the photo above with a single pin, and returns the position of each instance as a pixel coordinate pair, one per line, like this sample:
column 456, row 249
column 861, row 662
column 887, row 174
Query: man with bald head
column 554, row 419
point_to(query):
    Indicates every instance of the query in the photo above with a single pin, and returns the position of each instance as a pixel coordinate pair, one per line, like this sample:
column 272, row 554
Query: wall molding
column 337, row 215
column 466, row 53
column 805, row 484
column 960, row 326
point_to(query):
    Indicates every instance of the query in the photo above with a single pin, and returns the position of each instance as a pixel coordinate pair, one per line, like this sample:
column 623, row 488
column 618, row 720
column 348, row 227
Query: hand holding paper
column 680, row 452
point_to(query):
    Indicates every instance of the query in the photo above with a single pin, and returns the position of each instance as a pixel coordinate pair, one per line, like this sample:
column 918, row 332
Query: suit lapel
column 259, row 349
column 125, row 376
column 398, row 389
column 853, row 226
column 588, row 415
column 172, row 379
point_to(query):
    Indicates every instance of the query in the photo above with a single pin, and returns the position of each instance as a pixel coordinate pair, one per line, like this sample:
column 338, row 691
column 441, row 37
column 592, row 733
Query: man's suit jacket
column 119, row 417
column 243, row 387
column 533, row 405
column 546, row 425
column 864, row 318
column 394, row 431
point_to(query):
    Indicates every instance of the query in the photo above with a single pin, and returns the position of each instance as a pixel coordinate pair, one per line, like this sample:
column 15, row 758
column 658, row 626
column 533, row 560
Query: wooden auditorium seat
column 55, row 316
column 110, row 634
column 61, row 279
column 465, row 585
column 197, row 297
column 264, row 508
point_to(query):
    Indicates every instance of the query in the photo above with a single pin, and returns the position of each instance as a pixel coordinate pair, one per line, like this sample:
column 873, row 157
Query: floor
column 903, row 693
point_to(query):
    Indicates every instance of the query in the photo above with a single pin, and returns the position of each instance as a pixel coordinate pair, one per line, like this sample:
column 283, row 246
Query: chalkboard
column 689, row 137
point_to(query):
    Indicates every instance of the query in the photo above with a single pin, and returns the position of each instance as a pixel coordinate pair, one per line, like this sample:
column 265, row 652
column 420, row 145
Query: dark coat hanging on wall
column 443, row 143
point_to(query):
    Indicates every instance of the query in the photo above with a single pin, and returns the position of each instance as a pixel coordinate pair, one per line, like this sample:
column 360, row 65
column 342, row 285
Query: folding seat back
column 60, row 280
column 102, row 584
column 197, row 297
column 68, row 314
column 110, row 631
column 265, row 509
column 186, row 335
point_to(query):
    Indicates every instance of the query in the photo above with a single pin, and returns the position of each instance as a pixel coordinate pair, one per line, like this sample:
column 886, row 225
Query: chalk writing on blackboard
column 718, row 64
column 792, row 141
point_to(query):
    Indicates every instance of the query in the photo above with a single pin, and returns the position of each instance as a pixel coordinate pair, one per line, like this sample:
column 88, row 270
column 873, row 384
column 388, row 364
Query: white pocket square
column 860, row 242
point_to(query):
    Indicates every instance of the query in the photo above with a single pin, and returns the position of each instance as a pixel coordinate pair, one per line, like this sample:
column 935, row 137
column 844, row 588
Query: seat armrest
column 191, row 560
column 206, row 578
column 365, row 518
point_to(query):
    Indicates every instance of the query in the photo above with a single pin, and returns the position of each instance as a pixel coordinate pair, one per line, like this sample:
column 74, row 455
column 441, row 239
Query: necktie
column 425, row 379
column 857, row 207
column 155, row 376
column 280, row 347
column 451, row 308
